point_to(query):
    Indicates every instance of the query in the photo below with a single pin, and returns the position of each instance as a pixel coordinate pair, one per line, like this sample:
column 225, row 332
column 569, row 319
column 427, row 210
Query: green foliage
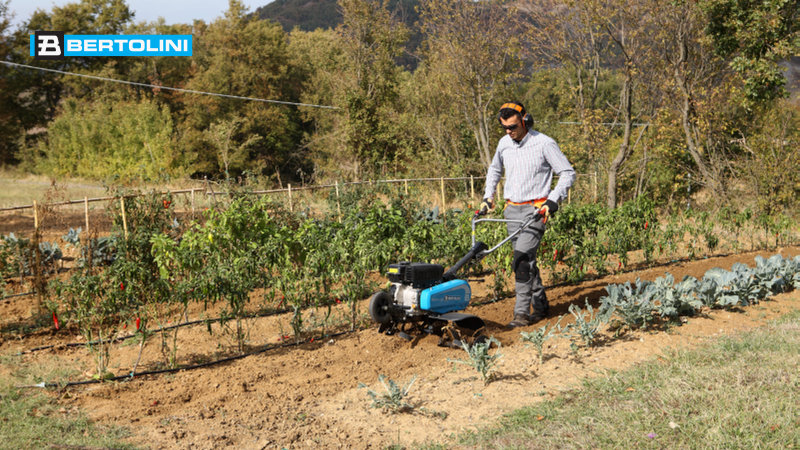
column 772, row 144
column 586, row 235
column 122, row 141
column 470, row 71
column 393, row 399
column 633, row 304
column 371, row 39
column 719, row 288
column 240, row 55
column 18, row 256
column 755, row 36
column 479, row 358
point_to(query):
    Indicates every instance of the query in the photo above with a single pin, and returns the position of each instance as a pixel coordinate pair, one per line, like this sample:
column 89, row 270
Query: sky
column 173, row 11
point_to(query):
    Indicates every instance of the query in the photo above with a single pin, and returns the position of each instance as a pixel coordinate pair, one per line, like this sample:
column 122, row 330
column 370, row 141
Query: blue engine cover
column 443, row 298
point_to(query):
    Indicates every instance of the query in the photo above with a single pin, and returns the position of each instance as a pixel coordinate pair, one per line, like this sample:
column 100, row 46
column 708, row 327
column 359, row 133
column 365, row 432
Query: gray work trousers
column 528, row 281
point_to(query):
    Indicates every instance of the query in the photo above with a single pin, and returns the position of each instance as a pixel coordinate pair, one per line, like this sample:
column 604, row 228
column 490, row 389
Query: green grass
column 20, row 189
column 33, row 418
column 741, row 392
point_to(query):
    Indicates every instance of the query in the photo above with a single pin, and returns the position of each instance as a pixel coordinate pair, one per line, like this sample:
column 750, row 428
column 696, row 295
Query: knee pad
column 522, row 267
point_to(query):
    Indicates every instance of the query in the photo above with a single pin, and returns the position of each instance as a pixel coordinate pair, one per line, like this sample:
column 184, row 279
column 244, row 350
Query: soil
column 309, row 396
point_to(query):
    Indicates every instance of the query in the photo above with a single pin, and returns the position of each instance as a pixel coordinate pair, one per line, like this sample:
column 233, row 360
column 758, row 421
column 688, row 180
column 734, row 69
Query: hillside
column 308, row 15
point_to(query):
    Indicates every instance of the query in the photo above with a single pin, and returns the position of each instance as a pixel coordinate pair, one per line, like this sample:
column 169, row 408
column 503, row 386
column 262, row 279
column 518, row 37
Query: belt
column 537, row 203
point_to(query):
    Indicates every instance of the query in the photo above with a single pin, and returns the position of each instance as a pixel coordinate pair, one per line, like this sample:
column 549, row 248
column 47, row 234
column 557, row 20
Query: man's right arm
column 493, row 174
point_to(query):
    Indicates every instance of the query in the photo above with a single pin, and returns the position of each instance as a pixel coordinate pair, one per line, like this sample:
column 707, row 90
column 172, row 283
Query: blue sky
column 173, row 11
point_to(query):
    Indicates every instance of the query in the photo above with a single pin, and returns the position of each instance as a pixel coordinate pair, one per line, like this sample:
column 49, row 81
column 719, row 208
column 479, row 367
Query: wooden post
column 569, row 196
column 209, row 188
column 35, row 216
column 291, row 206
column 441, row 181
column 192, row 201
column 86, row 213
column 471, row 188
column 338, row 204
column 405, row 183
column 594, row 186
column 124, row 220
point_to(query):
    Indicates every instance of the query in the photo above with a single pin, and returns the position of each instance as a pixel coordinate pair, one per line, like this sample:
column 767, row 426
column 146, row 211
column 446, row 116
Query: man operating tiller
column 529, row 159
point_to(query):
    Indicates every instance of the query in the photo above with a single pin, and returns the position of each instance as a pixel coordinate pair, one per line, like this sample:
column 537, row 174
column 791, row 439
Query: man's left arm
column 565, row 172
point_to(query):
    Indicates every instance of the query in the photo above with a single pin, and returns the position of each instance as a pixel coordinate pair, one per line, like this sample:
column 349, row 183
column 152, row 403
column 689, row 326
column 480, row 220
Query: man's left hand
column 549, row 208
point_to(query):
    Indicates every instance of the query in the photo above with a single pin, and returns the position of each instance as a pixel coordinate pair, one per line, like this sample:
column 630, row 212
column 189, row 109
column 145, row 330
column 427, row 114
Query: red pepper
column 167, row 203
column 619, row 266
column 55, row 320
column 138, row 323
column 555, row 255
column 121, row 286
column 645, row 224
column 338, row 301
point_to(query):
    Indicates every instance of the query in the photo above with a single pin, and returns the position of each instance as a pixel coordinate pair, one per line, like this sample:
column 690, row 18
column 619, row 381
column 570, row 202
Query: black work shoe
column 520, row 320
column 537, row 316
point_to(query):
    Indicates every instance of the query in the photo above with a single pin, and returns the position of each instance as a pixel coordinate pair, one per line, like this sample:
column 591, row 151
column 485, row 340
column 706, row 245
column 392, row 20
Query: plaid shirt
column 529, row 167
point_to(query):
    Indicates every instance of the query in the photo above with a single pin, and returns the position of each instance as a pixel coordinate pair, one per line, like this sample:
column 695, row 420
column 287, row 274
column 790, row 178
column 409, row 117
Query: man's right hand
column 486, row 205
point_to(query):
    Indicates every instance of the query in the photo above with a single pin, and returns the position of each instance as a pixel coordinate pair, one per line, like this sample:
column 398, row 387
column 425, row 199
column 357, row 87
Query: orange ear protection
column 527, row 119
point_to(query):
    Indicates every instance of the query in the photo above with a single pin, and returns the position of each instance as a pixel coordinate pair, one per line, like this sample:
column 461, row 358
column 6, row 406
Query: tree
column 105, row 140
column 621, row 22
column 473, row 47
column 319, row 60
column 242, row 56
column 769, row 166
column 755, row 36
column 33, row 96
column 588, row 36
column 697, row 86
column 9, row 124
column 371, row 41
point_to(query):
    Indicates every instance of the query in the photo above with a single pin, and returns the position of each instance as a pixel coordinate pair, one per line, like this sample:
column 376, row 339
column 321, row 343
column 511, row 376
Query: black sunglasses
column 510, row 127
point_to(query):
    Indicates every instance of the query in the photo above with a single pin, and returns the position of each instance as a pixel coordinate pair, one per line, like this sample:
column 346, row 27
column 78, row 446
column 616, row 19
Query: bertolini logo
column 57, row 45
column 48, row 45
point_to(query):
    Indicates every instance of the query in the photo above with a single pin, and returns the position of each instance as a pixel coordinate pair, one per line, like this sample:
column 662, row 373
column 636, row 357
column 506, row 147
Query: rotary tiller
column 423, row 298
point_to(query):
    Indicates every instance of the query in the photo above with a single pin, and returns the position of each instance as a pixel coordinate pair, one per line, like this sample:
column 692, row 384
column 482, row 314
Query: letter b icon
column 49, row 45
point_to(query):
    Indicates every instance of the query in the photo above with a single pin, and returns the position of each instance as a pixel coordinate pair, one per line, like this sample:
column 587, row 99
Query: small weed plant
column 541, row 335
column 586, row 326
column 479, row 358
column 393, row 399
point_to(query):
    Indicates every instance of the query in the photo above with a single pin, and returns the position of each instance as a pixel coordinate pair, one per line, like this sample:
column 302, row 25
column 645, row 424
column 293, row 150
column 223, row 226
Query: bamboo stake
column 441, row 181
column 124, row 220
column 405, row 183
column 192, row 201
column 86, row 213
column 338, row 203
column 471, row 188
column 594, row 186
column 291, row 206
column 35, row 216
